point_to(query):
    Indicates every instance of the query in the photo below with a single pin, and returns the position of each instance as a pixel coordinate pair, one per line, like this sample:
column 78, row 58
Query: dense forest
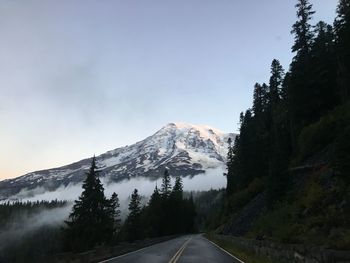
column 288, row 171
column 291, row 158
column 34, row 232
column 31, row 230
column 166, row 213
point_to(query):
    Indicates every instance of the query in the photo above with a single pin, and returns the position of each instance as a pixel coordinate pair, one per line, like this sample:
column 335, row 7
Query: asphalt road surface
column 186, row 249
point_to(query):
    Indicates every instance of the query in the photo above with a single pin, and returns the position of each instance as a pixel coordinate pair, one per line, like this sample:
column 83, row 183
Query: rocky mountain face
column 184, row 149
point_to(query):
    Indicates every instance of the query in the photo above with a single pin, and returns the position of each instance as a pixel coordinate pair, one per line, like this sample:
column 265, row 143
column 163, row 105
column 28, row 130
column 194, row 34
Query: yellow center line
column 177, row 255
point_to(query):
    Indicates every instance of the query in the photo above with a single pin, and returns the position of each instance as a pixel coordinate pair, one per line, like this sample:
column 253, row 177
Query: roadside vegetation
column 292, row 155
column 240, row 253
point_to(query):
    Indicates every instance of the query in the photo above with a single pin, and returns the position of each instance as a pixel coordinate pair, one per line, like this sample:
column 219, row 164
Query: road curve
column 185, row 249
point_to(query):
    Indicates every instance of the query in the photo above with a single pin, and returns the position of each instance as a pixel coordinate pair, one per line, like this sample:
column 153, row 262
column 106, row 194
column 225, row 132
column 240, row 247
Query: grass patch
column 242, row 254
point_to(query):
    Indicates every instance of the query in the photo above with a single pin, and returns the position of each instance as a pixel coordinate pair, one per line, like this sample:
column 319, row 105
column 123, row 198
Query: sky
column 79, row 78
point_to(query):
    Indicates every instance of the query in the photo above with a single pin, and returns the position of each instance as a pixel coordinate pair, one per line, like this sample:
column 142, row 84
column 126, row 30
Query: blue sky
column 84, row 77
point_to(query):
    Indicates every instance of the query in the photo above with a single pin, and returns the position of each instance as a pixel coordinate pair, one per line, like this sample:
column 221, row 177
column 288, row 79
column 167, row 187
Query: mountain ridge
column 184, row 149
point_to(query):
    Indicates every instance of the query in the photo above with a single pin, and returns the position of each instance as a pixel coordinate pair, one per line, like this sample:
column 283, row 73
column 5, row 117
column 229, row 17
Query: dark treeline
column 35, row 231
column 167, row 212
column 10, row 211
column 95, row 219
column 27, row 230
column 208, row 206
column 300, row 117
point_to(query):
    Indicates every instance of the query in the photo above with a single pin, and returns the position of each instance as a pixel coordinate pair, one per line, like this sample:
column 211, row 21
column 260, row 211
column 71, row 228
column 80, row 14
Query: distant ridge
column 185, row 149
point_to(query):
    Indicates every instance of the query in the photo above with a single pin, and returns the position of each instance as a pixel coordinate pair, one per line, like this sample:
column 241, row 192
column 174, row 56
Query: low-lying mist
column 211, row 179
column 25, row 224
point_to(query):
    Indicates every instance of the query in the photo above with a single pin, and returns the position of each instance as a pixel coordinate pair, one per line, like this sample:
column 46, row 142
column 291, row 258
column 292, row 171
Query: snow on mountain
column 184, row 149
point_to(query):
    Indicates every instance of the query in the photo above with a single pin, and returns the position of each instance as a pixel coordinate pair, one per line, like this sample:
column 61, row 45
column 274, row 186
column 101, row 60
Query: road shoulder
column 236, row 252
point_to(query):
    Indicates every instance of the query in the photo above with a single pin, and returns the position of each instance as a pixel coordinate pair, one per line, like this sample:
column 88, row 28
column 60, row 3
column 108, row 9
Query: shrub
column 320, row 135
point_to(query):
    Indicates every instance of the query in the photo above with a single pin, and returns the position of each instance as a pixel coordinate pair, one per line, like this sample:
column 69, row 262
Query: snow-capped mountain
column 184, row 149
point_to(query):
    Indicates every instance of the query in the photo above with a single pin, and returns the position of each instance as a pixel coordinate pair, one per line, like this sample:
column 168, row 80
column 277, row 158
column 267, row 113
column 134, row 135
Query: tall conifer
column 133, row 222
column 90, row 222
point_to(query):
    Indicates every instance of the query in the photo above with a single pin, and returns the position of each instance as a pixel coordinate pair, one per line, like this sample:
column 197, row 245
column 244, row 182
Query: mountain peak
column 185, row 149
column 203, row 128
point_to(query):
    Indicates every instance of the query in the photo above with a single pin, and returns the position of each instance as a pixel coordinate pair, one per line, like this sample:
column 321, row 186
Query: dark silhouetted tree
column 299, row 89
column 133, row 222
column 176, row 208
column 276, row 80
column 90, row 222
column 177, row 190
column 302, row 29
column 154, row 214
column 342, row 29
column 230, row 187
column 115, row 213
column 166, row 184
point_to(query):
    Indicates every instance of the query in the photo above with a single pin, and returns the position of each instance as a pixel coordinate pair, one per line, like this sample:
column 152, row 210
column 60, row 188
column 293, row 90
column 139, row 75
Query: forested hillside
column 289, row 167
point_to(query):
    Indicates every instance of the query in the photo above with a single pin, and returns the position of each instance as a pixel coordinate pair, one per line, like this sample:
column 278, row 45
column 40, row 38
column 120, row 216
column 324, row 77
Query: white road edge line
column 225, row 251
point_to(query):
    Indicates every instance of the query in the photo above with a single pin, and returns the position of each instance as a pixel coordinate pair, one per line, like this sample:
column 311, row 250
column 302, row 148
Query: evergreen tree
column 302, row 28
column 276, row 80
column 115, row 212
column 279, row 150
column 166, row 184
column 175, row 209
column 234, row 167
column 277, row 116
column 229, row 166
column 297, row 111
column 249, row 151
column 323, row 73
column 165, row 218
column 189, row 215
column 90, row 222
column 155, row 213
column 177, row 190
column 300, row 94
column 258, row 99
column 133, row 223
column 342, row 29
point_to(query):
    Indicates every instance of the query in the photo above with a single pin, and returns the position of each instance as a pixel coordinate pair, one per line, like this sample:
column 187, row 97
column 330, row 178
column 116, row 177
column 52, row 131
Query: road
column 185, row 249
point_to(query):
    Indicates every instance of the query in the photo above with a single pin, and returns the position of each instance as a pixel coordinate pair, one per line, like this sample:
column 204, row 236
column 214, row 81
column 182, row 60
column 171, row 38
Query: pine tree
column 249, row 151
column 342, row 29
column 133, row 223
column 302, row 28
column 89, row 222
column 276, row 80
column 177, row 191
column 279, row 142
column 229, row 167
column 165, row 191
column 155, row 213
column 258, row 99
column 166, row 184
column 300, row 94
column 115, row 212
column 323, row 58
column 175, row 208
column 190, row 214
